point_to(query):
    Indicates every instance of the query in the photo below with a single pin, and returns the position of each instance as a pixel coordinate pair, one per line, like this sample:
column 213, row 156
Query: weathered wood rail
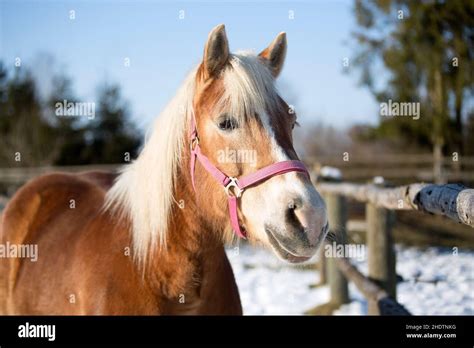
column 379, row 286
column 452, row 200
column 379, row 300
column 419, row 167
column 20, row 175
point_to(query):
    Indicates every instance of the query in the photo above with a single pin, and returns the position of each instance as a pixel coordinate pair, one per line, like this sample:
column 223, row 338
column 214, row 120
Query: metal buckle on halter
column 194, row 142
column 233, row 189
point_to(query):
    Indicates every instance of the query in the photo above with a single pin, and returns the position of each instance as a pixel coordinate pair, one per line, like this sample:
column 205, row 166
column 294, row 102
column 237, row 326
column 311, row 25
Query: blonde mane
column 143, row 192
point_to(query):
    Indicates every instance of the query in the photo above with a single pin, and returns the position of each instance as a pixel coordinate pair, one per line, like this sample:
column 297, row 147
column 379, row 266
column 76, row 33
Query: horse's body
column 152, row 242
column 98, row 274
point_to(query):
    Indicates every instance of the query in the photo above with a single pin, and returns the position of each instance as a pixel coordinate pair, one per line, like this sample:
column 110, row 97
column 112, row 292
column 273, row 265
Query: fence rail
column 401, row 167
column 20, row 175
column 452, row 200
column 400, row 159
column 379, row 300
column 379, row 287
column 420, row 167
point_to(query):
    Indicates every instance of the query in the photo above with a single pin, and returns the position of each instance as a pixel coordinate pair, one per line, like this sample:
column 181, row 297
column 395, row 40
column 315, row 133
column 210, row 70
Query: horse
column 151, row 239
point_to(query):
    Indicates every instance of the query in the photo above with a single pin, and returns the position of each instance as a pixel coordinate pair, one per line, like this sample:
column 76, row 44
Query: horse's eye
column 228, row 124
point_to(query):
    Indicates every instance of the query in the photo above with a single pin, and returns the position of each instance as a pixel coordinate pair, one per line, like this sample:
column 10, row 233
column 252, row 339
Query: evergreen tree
column 30, row 127
column 26, row 139
column 112, row 138
column 426, row 50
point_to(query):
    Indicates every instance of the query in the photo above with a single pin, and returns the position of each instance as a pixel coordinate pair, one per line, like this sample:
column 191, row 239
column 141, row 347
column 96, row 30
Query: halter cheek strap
column 234, row 187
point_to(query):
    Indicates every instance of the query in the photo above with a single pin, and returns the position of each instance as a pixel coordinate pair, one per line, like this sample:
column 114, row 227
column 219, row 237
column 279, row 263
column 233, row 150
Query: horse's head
column 244, row 125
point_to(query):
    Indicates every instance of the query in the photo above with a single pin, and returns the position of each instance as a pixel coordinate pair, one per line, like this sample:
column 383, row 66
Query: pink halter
column 234, row 187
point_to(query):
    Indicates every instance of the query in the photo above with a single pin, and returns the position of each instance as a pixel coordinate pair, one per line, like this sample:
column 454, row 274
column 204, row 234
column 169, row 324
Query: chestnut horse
column 147, row 242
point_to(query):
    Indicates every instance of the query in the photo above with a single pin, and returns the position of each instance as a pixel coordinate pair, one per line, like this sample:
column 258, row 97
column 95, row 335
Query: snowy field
column 435, row 281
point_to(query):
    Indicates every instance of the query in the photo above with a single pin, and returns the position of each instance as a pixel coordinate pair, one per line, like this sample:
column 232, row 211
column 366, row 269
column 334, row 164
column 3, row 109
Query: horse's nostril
column 294, row 204
column 292, row 212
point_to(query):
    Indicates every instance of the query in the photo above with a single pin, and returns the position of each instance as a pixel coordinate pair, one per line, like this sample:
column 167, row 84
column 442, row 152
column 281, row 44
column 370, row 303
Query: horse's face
column 241, row 134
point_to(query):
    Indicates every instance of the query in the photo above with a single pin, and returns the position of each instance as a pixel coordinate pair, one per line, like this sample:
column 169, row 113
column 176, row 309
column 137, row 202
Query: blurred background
column 345, row 60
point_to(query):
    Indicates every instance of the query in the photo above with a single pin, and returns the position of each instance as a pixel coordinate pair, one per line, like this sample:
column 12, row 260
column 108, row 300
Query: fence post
column 381, row 252
column 322, row 268
column 438, row 164
column 337, row 215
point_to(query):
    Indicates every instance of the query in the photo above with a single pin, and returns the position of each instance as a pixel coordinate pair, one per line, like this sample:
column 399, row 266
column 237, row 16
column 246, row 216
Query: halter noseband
column 234, row 187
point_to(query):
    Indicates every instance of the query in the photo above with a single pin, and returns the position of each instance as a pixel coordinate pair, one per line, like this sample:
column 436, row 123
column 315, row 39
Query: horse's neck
column 191, row 245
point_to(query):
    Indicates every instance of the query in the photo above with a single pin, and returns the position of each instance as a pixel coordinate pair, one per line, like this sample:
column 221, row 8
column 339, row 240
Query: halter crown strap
column 234, row 187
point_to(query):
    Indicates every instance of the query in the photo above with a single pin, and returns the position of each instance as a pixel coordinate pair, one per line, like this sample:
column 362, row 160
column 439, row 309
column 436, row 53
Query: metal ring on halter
column 194, row 143
column 233, row 189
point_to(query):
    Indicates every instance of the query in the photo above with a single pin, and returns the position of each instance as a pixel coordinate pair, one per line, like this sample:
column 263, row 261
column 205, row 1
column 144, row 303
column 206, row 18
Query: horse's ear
column 274, row 55
column 216, row 52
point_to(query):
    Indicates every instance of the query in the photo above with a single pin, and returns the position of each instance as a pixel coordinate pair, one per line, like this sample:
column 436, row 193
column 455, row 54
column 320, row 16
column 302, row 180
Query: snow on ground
column 270, row 286
column 435, row 281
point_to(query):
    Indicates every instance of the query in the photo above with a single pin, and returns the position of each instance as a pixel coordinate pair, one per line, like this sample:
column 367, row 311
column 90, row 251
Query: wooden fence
column 402, row 168
column 20, row 175
column 397, row 167
column 379, row 286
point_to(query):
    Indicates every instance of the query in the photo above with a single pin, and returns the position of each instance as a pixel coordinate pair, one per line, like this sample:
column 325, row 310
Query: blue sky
column 162, row 48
